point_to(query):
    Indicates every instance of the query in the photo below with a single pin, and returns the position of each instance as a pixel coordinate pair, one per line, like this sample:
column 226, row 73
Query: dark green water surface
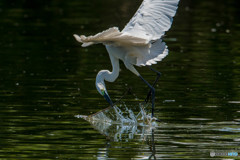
column 46, row 79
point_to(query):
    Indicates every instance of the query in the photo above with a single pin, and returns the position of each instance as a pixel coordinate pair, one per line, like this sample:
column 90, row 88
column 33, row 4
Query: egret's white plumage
column 152, row 19
column 139, row 43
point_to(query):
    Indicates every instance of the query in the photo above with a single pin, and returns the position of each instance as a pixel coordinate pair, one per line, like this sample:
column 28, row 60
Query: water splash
column 121, row 115
column 120, row 122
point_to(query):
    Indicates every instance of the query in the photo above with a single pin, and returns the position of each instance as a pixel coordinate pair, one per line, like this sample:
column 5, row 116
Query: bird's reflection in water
column 151, row 143
column 121, row 124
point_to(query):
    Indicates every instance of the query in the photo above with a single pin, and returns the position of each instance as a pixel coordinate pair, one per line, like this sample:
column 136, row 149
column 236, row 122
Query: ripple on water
column 234, row 102
column 199, row 119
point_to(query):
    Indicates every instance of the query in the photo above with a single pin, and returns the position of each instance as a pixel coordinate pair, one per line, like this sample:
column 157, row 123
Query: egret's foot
column 152, row 89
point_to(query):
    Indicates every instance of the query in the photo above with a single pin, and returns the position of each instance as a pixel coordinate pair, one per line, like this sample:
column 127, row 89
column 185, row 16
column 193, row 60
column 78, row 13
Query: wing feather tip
column 77, row 37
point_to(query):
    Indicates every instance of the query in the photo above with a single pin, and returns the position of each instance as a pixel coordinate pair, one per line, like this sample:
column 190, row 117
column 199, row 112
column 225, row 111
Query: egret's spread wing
column 111, row 36
column 152, row 19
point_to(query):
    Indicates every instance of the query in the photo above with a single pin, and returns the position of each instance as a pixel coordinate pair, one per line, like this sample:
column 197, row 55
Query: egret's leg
column 152, row 89
column 131, row 68
column 156, row 80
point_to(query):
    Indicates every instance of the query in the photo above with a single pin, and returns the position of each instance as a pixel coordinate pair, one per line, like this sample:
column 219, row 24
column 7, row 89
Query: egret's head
column 100, row 85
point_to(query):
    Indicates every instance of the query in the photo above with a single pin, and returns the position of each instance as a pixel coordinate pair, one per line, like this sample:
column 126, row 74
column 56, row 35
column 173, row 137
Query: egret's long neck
column 112, row 76
column 106, row 75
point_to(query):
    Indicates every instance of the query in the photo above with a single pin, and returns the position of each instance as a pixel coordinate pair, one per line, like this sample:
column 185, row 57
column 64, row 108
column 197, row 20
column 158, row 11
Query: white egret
column 138, row 44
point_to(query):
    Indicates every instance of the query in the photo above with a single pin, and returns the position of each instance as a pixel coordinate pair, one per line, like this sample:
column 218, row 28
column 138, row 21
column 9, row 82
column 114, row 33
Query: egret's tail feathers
column 112, row 36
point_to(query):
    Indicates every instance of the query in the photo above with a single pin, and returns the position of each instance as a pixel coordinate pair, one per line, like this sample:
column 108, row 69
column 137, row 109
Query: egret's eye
column 103, row 92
